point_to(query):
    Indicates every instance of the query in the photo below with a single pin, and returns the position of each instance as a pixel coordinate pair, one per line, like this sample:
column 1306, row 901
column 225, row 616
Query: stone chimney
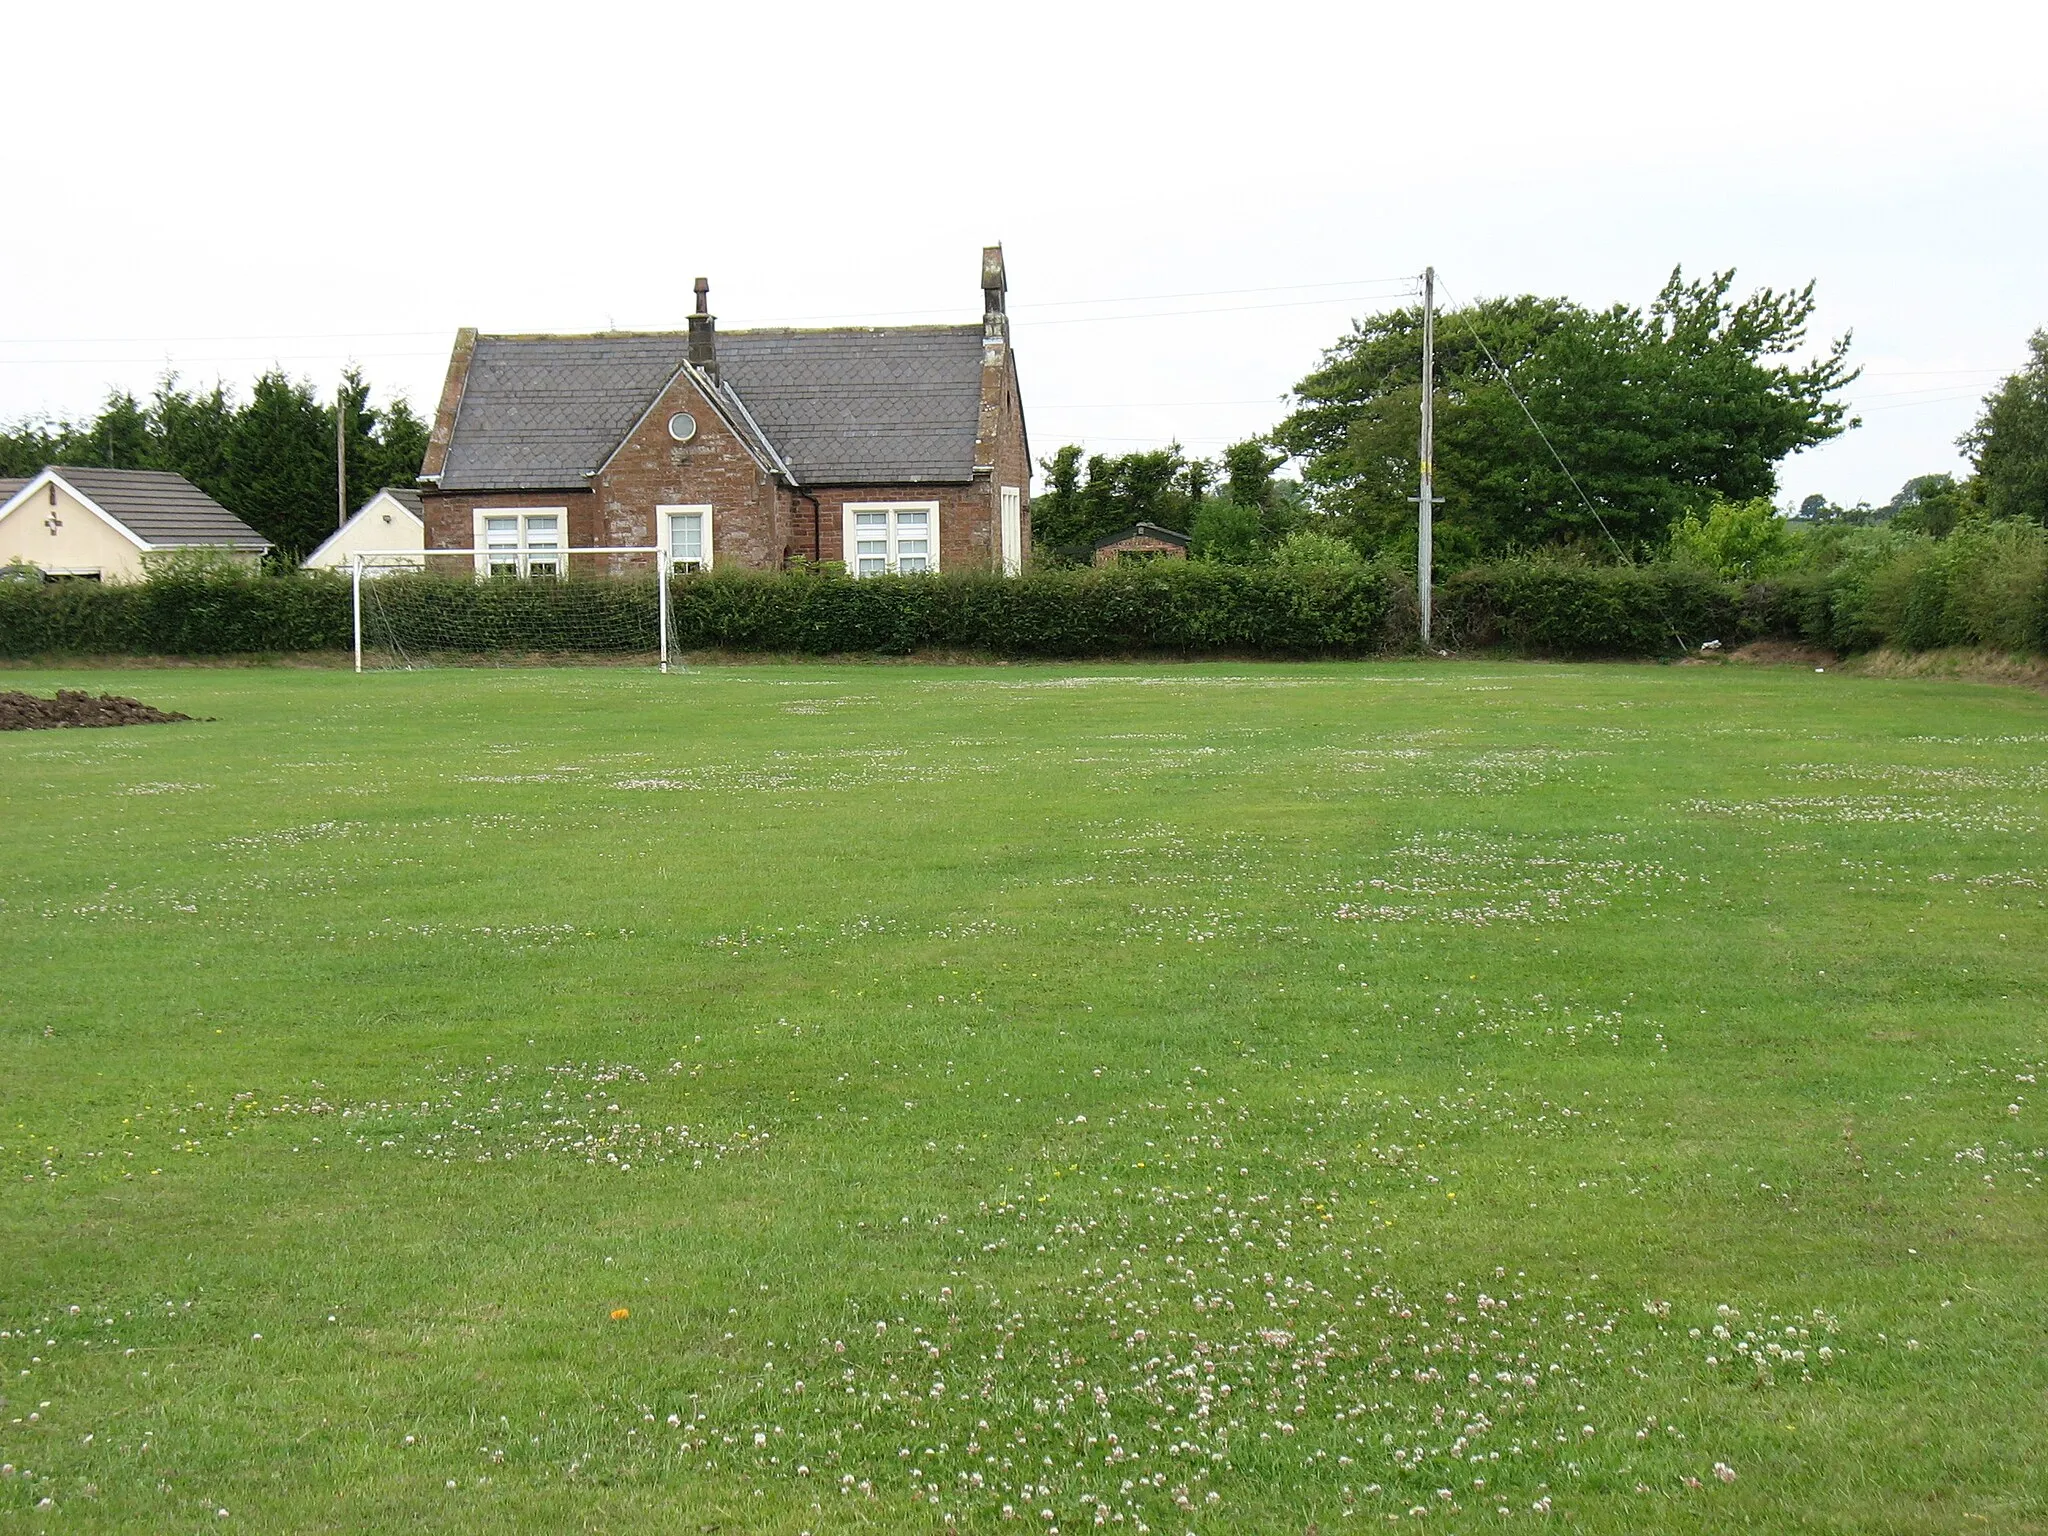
column 704, row 330
column 995, row 323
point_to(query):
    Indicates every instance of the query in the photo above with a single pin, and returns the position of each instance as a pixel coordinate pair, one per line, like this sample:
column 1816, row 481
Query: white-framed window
column 521, row 541
column 891, row 537
column 1012, row 530
column 685, row 537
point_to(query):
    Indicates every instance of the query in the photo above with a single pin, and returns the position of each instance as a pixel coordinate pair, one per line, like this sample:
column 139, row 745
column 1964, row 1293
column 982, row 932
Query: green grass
column 1228, row 1099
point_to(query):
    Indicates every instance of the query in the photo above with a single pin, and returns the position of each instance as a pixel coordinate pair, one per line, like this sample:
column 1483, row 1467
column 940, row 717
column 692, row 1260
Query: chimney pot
column 704, row 331
column 994, row 284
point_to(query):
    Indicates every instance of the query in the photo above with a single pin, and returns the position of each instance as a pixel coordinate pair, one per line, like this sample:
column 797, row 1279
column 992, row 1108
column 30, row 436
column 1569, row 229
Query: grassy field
column 1215, row 1099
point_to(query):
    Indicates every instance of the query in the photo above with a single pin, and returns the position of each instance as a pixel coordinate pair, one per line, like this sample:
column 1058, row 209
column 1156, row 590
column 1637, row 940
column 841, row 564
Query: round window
column 682, row 426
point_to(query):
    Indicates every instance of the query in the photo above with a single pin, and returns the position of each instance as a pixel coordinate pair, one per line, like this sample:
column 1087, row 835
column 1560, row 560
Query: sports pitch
column 1210, row 1098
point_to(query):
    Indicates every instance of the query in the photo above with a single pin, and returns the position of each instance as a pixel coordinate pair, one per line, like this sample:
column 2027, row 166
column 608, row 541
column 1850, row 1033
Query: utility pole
column 341, row 454
column 1425, row 504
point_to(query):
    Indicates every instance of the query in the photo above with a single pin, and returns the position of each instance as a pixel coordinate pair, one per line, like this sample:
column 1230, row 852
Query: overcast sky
column 1194, row 199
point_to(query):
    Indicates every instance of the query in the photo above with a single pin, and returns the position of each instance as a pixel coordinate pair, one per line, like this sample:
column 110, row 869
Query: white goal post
column 528, row 563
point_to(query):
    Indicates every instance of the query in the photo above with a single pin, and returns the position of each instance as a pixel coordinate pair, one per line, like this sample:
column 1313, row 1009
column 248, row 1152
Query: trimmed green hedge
column 1158, row 606
column 1186, row 609
column 1560, row 608
column 213, row 614
column 1988, row 590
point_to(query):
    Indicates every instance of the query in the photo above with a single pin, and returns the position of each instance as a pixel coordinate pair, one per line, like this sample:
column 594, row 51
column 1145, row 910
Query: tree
column 1248, row 473
column 280, row 465
column 119, row 438
column 1652, row 415
column 1310, row 549
column 190, row 433
column 1085, row 502
column 1929, row 504
column 1226, row 531
column 1817, row 510
column 401, row 444
column 2009, row 444
column 1742, row 540
column 30, row 445
column 385, row 447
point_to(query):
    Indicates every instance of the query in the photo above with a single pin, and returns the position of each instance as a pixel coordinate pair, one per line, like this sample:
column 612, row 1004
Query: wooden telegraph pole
column 1425, row 503
column 341, row 455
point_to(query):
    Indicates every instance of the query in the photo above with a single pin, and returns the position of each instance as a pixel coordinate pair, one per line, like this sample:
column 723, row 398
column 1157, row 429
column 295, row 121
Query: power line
column 112, row 341
column 1224, row 293
column 1907, row 405
column 1149, row 405
column 1227, row 309
column 208, row 360
column 850, row 316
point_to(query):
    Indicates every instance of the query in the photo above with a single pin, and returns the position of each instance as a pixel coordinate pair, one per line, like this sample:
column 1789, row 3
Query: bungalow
column 389, row 522
column 894, row 449
column 102, row 524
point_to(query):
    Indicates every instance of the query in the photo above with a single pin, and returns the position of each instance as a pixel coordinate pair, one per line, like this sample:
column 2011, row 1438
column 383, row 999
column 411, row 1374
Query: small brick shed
column 1142, row 541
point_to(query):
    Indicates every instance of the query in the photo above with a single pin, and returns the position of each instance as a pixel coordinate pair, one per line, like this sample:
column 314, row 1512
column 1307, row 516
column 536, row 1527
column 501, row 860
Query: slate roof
column 837, row 407
column 407, row 498
column 863, row 407
column 161, row 509
column 8, row 488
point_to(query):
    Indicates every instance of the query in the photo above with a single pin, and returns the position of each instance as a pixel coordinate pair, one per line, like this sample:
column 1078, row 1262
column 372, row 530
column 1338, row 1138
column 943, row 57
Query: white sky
column 219, row 186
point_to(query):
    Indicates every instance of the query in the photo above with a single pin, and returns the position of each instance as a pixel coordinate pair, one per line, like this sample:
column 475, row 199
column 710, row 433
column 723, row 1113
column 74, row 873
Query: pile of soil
column 26, row 712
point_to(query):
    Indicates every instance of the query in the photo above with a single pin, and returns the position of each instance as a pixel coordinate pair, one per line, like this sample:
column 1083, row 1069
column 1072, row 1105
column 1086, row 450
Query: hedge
column 213, row 614
column 1989, row 590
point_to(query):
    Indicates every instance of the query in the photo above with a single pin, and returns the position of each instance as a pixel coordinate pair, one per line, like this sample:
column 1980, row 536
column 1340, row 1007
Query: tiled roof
column 544, row 411
column 160, row 508
column 863, row 407
column 840, row 407
column 407, row 498
column 8, row 488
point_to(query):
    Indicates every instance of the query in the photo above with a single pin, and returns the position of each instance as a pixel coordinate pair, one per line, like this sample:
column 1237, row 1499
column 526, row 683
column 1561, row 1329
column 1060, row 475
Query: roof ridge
column 756, row 330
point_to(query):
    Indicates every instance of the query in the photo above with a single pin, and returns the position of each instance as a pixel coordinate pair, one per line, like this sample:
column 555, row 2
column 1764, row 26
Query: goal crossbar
column 484, row 560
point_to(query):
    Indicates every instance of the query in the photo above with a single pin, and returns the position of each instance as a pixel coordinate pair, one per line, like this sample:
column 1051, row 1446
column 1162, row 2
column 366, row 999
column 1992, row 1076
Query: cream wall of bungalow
column 82, row 544
column 381, row 526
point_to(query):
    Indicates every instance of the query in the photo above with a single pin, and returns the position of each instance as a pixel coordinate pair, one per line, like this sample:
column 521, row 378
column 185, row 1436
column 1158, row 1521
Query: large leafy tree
column 1649, row 415
column 2009, row 444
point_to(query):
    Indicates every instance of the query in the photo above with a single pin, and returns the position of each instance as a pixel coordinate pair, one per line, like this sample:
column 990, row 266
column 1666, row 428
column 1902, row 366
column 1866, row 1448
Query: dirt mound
column 1782, row 653
column 26, row 712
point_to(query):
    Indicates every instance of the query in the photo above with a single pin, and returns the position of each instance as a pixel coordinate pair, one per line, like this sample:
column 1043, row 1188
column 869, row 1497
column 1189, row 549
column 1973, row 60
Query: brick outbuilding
column 891, row 449
column 1142, row 541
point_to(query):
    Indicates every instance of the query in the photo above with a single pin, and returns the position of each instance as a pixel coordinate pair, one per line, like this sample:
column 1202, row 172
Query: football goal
column 497, row 607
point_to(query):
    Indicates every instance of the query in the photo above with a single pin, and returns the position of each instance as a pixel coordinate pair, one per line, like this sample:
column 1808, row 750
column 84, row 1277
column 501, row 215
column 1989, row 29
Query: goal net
column 493, row 607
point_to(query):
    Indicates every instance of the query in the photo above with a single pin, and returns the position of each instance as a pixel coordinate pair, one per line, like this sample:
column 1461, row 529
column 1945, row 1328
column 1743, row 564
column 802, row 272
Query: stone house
column 890, row 449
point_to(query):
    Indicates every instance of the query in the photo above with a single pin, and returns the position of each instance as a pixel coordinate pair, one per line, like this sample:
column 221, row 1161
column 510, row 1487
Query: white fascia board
column 321, row 548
